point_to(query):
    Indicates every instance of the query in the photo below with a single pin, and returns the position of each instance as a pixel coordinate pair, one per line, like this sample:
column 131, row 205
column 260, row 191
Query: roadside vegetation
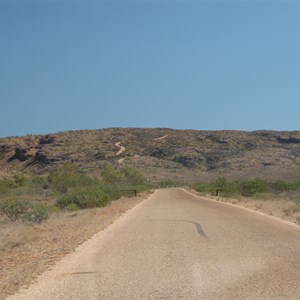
column 249, row 188
column 278, row 198
column 32, row 199
column 43, row 218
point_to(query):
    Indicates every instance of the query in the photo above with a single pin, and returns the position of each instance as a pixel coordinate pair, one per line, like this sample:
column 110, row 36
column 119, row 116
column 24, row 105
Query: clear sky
column 68, row 65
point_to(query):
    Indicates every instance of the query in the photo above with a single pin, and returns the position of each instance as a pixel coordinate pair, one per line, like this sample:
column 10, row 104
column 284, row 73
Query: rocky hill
column 158, row 153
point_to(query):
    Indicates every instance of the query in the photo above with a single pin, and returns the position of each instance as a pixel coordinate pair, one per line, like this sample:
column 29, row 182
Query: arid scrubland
column 190, row 155
column 57, row 190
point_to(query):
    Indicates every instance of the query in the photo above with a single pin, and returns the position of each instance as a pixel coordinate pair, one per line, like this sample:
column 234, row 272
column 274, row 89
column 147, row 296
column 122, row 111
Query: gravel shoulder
column 175, row 245
column 26, row 251
column 279, row 207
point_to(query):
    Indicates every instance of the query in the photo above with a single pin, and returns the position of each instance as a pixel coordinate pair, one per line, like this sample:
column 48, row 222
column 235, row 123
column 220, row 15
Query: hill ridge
column 159, row 152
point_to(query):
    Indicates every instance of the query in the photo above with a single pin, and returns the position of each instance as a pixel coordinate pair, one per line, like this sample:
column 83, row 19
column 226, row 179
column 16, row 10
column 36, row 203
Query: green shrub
column 37, row 185
column 111, row 177
column 7, row 185
column 252, row 187
column 205, row 187
column 281, row 186
column 222, row 183
column 225, row 187
column 66, row 177
column 127, row 175
column 246, row 187
column 168, row 183
column 14, row 209
column 37, row 214
column 131, row 176
column 72, row 207
column 20, row 180
column 87, row 197
column 297, row 200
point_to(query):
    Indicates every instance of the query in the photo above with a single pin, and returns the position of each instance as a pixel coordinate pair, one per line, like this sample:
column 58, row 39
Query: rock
column 47, row 139
column 20, row 154
column 250, row 146
column 41, row 158
column 186, row 161
column 216, row 139
column 288, row 140
column 159, row 153
column 100, row 155
column 4, row 149
column 213, row 159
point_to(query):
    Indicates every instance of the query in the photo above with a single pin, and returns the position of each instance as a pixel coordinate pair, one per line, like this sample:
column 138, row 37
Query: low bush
column 6, row 185
column 111, row 177
column 245, row 187
column 14, row 209
column 126, row 175
column 24, row 210
column 72, row 207
column 168, row 183
column 87, row 197
column 253, row 187
column 21, row 185
column 37, row 214
column 37, row 185
column 132, row 176
column 281, row 186
column 67, row 177
column 205, row 187
column 297, row 200
column 20, row 180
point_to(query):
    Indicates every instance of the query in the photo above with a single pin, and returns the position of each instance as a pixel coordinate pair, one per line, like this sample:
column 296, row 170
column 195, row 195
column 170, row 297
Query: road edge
column 245, row 208
column 104, row 231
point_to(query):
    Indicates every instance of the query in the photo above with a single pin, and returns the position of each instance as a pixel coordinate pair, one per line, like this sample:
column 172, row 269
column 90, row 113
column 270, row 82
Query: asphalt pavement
column 176, row 245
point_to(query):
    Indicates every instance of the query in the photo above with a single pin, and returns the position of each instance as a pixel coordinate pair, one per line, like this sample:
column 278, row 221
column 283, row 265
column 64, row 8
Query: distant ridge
column 159, row 153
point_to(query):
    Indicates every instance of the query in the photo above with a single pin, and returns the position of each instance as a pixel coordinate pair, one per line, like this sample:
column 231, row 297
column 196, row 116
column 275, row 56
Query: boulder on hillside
column 4, row 149
column 47, row 139
column 288, row 140
column 100, row 155
column 20, row 154
column 188, row 162
column 41, row 158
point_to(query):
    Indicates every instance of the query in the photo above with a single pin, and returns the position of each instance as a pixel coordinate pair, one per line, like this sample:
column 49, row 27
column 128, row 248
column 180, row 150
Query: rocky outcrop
column 20, row 154
column 188, row 162
column 41, row 158
column 169, row 152
column 100, row 155
column 250, row 146
column 47, row 139
column 4, row 149
column 288, row 140
column 160, row 153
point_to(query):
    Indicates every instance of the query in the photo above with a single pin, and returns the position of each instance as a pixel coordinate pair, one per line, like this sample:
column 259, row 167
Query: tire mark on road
column 198, row 226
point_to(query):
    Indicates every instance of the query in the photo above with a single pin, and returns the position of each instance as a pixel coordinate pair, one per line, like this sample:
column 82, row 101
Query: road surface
column 175, row 245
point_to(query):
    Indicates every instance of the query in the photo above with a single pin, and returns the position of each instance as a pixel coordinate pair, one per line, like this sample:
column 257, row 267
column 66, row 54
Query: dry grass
column 277, row 206
column 28, row 250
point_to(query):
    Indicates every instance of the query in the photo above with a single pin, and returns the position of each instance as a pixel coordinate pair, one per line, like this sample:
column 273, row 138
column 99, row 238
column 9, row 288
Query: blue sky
column 68, row 65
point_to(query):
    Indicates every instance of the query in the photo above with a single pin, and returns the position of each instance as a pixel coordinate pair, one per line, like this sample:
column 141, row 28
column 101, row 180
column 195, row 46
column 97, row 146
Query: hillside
column 158, row 153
